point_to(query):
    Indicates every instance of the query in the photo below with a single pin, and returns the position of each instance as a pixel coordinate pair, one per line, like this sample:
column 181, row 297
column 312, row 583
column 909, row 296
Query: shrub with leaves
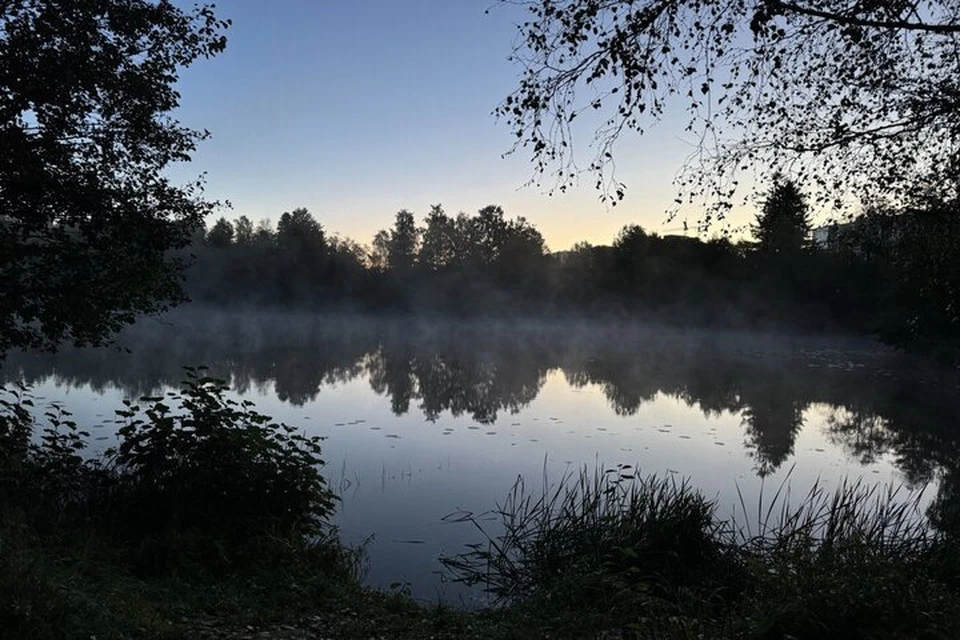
column 16, row 427
column 225, row 505
column 46, row 473
column 198, row 461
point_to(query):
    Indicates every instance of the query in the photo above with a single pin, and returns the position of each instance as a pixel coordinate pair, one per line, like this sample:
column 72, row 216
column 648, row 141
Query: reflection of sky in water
column 401, row 474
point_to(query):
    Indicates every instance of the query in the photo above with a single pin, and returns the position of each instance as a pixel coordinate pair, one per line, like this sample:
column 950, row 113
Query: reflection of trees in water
column 297, row 355
column 864, row 435
column 769, row 396
column 920, row 432
column 478, row 370
column 772, row 418
column 631, row 374
column 463, row 372
column 918, row 429
column 624, row 381
column 391, row 374
column 944, row 511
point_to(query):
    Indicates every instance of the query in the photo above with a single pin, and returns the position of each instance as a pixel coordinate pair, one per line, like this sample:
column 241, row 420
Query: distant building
column 562, row 257
column 862, row 233
column 829, row 237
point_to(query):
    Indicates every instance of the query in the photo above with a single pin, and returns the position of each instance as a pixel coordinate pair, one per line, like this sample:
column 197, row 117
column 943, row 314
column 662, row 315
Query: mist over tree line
column 893, row 272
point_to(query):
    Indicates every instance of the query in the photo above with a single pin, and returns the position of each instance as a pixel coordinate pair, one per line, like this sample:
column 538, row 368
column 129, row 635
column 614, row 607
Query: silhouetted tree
column 344, row 275
column 404, row 242
column 264, row 237
column 301, row 253
column 630, row 250
column 221, row 235
column 243, row 231
column 488, row 230
column 380, row 251
column 861, row 94
column 521, row 243
column 300, row 233
column 347, row 251
column 520, row 257
column 439, row 246
column 893, row 276
column 574, row 274
column 912, row 255
column 88, row 217
column 782, row 227
column 466, row 252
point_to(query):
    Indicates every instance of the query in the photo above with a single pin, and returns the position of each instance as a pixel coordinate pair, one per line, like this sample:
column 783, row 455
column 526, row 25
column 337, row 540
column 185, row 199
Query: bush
column 204, row 506
column 200, row 462
column 45, row 476
column 195, row 475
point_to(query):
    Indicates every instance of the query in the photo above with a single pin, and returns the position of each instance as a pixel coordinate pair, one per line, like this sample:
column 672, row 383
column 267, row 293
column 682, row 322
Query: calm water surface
column 424, row 419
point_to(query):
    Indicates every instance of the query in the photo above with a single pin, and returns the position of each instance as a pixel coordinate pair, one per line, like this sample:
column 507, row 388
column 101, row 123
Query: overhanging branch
column 865, row 22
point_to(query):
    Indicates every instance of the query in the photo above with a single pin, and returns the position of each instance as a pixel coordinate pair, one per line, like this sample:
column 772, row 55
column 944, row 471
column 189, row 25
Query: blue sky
column 356, row 109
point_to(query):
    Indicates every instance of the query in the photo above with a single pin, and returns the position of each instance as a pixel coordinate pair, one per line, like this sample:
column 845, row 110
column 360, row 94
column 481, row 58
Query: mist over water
column 426, row 418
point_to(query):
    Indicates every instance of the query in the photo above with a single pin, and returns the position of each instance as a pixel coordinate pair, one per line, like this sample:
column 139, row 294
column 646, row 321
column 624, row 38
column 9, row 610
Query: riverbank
column 663, row 576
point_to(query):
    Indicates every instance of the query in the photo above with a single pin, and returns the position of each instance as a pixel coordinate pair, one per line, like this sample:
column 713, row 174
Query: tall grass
column 596, row 530
column 886, row 520
column 612, row 548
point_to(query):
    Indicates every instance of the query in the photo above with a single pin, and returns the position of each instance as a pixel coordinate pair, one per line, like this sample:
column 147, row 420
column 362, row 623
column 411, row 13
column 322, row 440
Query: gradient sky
column 356, row 109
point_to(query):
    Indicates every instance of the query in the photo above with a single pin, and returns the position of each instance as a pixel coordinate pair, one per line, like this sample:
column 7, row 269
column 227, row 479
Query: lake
column 424, row 419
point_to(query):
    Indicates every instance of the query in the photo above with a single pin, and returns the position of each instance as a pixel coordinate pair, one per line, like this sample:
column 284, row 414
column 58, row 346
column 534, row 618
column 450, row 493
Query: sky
column 356, row 109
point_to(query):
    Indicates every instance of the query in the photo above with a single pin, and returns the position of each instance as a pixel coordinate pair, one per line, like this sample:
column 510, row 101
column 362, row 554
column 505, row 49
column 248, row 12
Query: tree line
column 893, row 271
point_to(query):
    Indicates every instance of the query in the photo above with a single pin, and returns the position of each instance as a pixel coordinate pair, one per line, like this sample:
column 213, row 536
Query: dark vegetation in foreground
column 649, row 556
column 208, row 519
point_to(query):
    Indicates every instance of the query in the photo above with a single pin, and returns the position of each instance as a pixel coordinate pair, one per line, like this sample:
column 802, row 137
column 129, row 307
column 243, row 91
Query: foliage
column 300, row 233
column 74, row 553
column 853, row 97
column 16, row 426
column 403, row 243
column 439, row 247
column 783, row 225
column 88, row 215
column 890, row 272
column 44, row 474
column 406, row 267
column 221, row 235
column 195, row 473
column 199, row 461
column 614, row 552
column 909, row 261
column 592, row 537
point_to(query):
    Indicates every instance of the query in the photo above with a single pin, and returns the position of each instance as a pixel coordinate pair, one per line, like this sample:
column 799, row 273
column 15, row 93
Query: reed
column 609, row 548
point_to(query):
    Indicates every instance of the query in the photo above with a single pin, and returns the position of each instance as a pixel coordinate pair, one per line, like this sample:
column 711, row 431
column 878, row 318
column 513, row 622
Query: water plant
column 611, row 549
column 591, row 532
